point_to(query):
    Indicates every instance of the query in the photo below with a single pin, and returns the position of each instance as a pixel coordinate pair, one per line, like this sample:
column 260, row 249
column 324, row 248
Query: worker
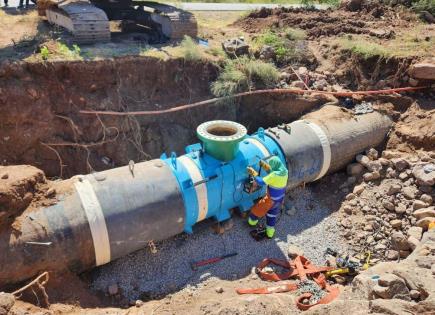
column 21, row 5
column 271, row 204
column 27, row 3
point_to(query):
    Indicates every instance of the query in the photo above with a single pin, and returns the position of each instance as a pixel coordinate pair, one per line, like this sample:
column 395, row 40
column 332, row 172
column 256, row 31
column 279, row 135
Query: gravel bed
column 313, row 228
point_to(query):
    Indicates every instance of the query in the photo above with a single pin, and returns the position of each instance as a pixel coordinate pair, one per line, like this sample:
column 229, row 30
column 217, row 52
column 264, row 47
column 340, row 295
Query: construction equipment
column 346, row 265
column 89, row 21
column 210, row 261
column 312, row 287
column 250, row 185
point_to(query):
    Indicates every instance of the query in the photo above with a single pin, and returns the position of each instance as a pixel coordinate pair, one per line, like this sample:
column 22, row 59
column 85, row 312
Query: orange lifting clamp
column 301, row 268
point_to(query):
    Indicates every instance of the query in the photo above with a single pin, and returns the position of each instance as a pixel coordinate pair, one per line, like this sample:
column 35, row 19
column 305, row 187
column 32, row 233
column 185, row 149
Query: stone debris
column 267, row 53
column 235, row 47
column 387, row 211
column 363, row 108
column 424, row 70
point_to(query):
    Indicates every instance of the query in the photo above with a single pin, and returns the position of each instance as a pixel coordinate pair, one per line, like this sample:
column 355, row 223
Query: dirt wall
column 41, row 124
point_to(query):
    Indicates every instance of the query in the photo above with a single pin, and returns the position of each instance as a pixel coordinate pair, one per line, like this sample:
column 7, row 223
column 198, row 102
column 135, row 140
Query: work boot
column 252, row 222
column 270, row 231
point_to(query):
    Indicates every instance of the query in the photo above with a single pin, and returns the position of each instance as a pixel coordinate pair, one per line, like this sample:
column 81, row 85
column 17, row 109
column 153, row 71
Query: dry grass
column 418, row 41
column 15, row 27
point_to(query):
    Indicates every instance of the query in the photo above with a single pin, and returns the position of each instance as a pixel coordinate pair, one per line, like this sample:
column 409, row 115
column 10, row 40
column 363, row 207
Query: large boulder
column 424, row 70
column 392, row 287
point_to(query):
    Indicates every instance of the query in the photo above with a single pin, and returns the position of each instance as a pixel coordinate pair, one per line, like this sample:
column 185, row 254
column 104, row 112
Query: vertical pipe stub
column 220, row 138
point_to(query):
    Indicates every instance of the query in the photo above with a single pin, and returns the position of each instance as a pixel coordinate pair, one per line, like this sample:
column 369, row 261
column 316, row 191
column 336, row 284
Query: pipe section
column 326, row 141
column 110, row 214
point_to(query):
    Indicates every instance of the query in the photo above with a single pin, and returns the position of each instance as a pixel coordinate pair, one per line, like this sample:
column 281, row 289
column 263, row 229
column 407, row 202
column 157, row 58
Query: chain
column 309, row 286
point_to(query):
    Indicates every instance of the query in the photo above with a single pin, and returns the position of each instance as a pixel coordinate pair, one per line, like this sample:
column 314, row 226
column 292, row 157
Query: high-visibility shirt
column 275, row 181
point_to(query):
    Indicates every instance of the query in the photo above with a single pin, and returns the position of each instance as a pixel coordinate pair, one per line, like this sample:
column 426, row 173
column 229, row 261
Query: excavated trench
column 41, row 124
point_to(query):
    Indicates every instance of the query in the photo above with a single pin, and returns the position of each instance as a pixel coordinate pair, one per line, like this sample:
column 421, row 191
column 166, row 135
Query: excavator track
column 87, row 23
column 175, row 23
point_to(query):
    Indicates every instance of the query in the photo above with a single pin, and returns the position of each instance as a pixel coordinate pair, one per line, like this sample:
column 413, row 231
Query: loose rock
column 400, row 164
column 391, row 254
column 426, row 199
column 362, row 159
column 424, row 174
column 219, row 290
column 423, row 70
column 394, row 189
column 372, row 154
column 358, row 189
column 392, row 287
column 418, row 204
column 396, row 223
column 424, row 213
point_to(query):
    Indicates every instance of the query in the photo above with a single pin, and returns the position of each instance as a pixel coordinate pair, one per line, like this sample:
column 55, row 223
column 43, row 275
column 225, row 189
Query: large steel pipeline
column 110, row 214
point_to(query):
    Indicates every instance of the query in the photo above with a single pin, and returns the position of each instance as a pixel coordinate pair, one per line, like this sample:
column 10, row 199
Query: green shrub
column 424, row 5
column 190, row 49
column 284, row 48
column 45, row 53
column 243, row 74
column 67, row 53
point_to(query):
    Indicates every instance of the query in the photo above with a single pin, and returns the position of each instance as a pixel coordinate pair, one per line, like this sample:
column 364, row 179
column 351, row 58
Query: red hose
column 270, row 91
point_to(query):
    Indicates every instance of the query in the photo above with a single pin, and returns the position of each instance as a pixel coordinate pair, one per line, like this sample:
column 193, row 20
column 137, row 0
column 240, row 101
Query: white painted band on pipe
column 97, row 222
column 326, row 148
column 201, row 190
column 260, row 146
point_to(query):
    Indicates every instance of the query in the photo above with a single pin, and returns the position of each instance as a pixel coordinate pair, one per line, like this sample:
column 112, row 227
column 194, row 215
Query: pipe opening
column 222, row 131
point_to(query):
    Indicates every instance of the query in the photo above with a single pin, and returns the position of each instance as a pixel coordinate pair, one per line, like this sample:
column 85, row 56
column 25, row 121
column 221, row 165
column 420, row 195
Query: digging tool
column 210, row 261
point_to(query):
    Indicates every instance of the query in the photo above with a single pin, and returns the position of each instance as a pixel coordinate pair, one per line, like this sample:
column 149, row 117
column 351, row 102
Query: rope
column 239, row 95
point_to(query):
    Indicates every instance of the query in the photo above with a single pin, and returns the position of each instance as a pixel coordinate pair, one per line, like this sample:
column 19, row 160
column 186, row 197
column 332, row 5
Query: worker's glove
column 265, row 165
column 251, row 171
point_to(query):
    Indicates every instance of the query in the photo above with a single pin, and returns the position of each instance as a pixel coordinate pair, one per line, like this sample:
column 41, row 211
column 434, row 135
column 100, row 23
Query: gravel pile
column 142, row 273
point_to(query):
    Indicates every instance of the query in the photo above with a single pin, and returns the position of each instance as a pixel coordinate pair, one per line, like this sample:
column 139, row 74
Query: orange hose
column 269, row 91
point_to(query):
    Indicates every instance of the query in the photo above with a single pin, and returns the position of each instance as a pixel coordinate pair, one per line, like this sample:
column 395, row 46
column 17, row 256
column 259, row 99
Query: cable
column 257, row 92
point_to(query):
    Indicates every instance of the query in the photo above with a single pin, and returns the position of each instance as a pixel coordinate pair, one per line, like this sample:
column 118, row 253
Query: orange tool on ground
column 301, row 268
column 210, row 261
